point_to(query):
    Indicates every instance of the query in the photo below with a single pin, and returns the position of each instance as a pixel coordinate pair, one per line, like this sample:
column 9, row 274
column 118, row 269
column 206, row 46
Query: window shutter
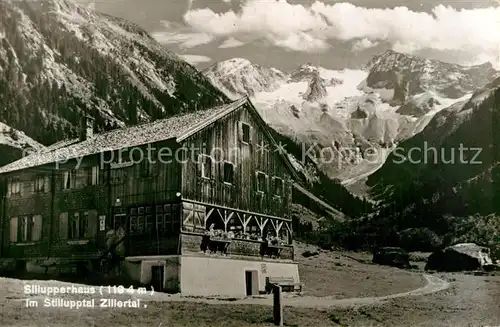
column 200, row 165
column 63, row 226
column 212, row 167
column 240, row 131
column 65, row 179
column 13, row 229
column 37, row 228
column 89, row 176
column 46, row 182
column 21, row 188
column 95, row 175
column 253, row 137
column 91, row 224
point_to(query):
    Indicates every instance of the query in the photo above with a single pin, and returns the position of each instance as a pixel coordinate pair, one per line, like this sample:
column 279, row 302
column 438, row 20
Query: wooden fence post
column 278, row 306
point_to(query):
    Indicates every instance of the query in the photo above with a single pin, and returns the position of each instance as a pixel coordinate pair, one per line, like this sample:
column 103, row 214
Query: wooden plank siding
column 175, row 191
column 56, row 205
column 159, row 188
column 222, row 141
column 27, row 203
column 80, row 198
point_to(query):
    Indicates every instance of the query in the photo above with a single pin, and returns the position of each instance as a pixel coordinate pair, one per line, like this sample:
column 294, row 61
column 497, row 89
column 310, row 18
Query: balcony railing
column 235, row 247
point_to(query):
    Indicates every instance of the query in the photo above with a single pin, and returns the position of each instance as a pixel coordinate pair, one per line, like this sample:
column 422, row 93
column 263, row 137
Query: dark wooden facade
column 228, row 174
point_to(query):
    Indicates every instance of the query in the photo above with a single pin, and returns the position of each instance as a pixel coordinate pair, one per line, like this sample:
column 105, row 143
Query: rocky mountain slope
column 454, row 166
column 15, row 144
column 239, row 76
column 409, row 75
column 60, row 61
column 350, row 120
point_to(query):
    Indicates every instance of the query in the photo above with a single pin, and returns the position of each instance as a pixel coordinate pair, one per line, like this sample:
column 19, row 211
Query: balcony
column 235, row 247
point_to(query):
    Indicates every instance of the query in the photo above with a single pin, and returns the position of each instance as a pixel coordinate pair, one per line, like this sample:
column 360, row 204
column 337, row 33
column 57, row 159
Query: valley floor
column 453, row 300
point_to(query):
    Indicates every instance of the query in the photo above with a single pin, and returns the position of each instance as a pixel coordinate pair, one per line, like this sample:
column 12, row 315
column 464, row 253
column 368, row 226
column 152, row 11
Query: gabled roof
column 177, row 127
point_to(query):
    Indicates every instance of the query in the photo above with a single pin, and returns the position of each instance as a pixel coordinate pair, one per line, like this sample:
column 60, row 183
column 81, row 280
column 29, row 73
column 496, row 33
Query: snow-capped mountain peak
column 392, row 99
column 409, row 75
column 233, row 65
column 239, row 76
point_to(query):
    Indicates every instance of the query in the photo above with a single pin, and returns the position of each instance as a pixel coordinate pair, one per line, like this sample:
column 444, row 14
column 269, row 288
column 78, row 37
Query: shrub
column 482, row 230
column 419, row 239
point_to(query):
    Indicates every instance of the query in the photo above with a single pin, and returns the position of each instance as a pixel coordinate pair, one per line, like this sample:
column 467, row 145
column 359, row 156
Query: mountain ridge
column 444, row 176
column 50, row 52
column 391, row 100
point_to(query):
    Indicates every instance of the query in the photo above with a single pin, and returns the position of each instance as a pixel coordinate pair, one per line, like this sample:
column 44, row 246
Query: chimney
column 87, row 128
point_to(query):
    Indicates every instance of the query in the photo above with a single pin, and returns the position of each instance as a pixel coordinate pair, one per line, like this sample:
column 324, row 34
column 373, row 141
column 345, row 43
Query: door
column 252, row 282
column 158, row 277
column 120, row 219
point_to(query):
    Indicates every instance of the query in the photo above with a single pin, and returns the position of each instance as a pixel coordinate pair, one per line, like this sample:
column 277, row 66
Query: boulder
column 308, row 254
column 391, row 256
column 492, row 267
column 459, row 257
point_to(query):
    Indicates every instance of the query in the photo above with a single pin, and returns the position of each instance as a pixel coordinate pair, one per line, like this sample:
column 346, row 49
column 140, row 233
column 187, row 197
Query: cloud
column 363, row 44
column 311, row 28
column 175, row 33
column 185, row 40
column 195, row 59
column 231, row 43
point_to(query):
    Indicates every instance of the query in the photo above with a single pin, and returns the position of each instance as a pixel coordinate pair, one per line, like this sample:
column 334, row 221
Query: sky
column 287, row 33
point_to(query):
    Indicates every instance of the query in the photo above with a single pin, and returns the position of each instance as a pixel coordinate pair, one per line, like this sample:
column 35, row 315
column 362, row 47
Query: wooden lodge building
column 198, row 203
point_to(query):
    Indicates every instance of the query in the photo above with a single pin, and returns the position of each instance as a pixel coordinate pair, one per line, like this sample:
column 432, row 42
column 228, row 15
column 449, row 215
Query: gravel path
column 433, row 285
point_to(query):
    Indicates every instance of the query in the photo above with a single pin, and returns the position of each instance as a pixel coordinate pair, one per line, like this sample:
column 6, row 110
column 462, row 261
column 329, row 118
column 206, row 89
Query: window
column 277, row 186
column 245, row 132
column 78, row 225
column 94, row 175
column 69, row 179
column 261, row 182
column 228, row 173
column 141, row 220
column 26, row 228
column 14, row 187
column 41, row 184
column 167, row 219
column 206, row 166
